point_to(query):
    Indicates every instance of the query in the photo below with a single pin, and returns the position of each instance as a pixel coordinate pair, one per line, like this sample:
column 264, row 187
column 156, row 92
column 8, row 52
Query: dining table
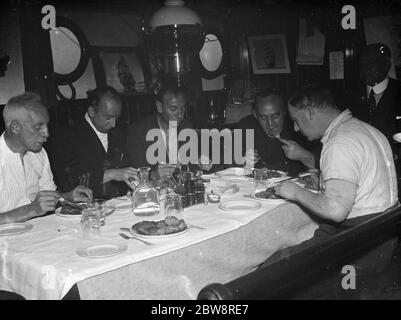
column 224, row 240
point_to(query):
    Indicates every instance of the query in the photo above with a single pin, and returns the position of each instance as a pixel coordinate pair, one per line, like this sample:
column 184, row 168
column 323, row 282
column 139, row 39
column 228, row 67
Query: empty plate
column 10, row 229
column 240, row 205
column 101, row 250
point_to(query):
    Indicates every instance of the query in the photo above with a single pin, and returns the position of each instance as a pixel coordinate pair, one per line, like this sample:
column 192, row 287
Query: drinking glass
column 260, row 179
column 205, row 164
column 99, row 205
column 90, row 223
column 173, row 206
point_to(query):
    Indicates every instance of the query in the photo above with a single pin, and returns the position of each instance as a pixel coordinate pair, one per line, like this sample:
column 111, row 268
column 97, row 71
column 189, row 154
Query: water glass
column 90, row 223
column 173, row 206
column 100, row 206
column 260, row 179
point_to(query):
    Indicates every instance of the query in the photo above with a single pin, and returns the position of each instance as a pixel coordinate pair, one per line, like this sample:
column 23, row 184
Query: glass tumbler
column 90, row 223
column 173, row 206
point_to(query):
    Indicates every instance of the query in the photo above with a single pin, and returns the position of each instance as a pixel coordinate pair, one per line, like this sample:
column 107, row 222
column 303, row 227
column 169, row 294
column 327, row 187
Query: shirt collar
column 341, row 118
column 378, row 88
column 98, row 133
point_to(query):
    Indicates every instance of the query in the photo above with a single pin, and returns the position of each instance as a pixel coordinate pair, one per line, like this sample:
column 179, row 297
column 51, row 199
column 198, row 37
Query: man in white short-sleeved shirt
column 357, row 168
column 27, row 189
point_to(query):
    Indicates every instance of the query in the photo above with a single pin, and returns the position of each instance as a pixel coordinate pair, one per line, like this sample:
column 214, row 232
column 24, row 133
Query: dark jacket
column 137, row 144
column 388, row 108
column 77, row 150
column 270, row 149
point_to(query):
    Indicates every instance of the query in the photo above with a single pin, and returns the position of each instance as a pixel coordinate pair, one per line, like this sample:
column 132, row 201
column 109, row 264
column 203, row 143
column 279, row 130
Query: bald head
column 374, row 63
column 270, row 111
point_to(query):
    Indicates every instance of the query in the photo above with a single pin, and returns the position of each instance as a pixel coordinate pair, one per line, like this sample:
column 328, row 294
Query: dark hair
column 313, row 95
column 170, row 87
column 377, row 50
column 94, row 96
column 267, row 93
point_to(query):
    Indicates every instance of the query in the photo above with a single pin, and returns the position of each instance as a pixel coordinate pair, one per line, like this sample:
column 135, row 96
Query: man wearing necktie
column 381, row 98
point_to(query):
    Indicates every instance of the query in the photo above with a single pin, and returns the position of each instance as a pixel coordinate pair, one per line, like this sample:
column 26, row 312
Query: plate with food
column 10, row 229
column 69, row 211
column 102, row 250
column 169, row 227
column 307, row 181
column 240, row 206
column 268, row 195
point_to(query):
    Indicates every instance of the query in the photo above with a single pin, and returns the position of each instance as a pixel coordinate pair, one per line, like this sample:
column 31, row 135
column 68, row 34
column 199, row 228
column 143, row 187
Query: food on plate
column 271, row 174
column 73, row 210
column 309, row 182
column 267, row 194
column 158, row 228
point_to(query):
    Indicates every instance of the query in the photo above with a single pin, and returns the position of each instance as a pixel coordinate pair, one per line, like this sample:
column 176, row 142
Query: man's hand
column 164, row 170
column 287, row 190
column 45, row 201
column 128, row 175
column 294, row 151
column 78, row 194
column 251, row 158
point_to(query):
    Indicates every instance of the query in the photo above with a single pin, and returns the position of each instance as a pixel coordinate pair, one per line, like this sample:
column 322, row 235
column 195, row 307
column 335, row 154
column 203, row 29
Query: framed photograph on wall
column 269, row 54
column 123, row 68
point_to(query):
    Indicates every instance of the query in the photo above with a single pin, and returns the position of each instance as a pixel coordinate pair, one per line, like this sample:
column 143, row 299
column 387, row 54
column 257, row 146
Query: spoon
column 123, row 235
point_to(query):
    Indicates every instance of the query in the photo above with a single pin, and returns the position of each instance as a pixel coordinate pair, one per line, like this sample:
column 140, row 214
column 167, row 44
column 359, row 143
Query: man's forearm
column 321, row 205
column 20, row 214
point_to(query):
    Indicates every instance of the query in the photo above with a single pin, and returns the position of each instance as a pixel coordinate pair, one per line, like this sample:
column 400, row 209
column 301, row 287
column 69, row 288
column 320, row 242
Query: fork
column 123, row 235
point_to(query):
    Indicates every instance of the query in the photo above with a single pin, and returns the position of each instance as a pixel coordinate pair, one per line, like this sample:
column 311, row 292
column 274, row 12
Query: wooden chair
column 281, row 279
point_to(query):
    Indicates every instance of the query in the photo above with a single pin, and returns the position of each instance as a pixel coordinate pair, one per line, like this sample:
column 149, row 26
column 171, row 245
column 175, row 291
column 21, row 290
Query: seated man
column 171, row 106
column 276, row 145
column 358, row 177
column 94, row 148
column 27, row 189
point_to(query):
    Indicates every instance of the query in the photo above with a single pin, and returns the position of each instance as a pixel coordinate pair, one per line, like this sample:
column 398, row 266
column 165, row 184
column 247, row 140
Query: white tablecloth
column 43, row 263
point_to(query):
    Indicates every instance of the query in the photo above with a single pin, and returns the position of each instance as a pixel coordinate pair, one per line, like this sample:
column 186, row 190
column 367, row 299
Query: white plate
column 272, row 201
column 236, row 179
column 10, row 229
column 160, row 236
column 101, row 250
column 123, row 205
column 240, row 205
column 58, row 213
column 234, row 172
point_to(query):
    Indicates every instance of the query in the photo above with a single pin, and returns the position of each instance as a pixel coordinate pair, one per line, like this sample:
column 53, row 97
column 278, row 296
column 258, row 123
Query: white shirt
column 378, row 89
column 356, row 152
column 102, row 136
column 20, row 183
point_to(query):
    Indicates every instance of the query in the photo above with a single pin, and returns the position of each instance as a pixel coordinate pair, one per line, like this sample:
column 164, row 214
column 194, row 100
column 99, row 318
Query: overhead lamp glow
column 174, row 12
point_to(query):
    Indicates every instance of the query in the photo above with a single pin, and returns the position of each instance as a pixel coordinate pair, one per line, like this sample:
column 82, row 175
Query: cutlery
column 123, row 235
column 70, row 203
column 196, row 227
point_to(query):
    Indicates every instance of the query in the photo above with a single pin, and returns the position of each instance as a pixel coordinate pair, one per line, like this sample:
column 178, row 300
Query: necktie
column 371, row 102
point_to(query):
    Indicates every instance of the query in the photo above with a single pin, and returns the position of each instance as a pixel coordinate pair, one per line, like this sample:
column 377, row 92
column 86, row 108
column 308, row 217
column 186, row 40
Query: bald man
column 27, row 189
column 276, row 145
column 94, row 147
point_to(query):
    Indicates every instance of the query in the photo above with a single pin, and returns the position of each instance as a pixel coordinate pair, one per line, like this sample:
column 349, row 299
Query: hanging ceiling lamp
column 176, row 36
column 174, row 12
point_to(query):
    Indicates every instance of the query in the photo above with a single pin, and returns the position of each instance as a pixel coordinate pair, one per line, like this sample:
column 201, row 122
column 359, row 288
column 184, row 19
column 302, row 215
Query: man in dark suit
column 171, row 107
column 93, row 148
column 379, row 98
column 276, row 144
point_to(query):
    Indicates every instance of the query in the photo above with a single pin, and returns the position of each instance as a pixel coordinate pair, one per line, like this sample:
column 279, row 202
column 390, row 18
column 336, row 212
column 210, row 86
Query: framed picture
column 123, row 68
column 269, row 54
